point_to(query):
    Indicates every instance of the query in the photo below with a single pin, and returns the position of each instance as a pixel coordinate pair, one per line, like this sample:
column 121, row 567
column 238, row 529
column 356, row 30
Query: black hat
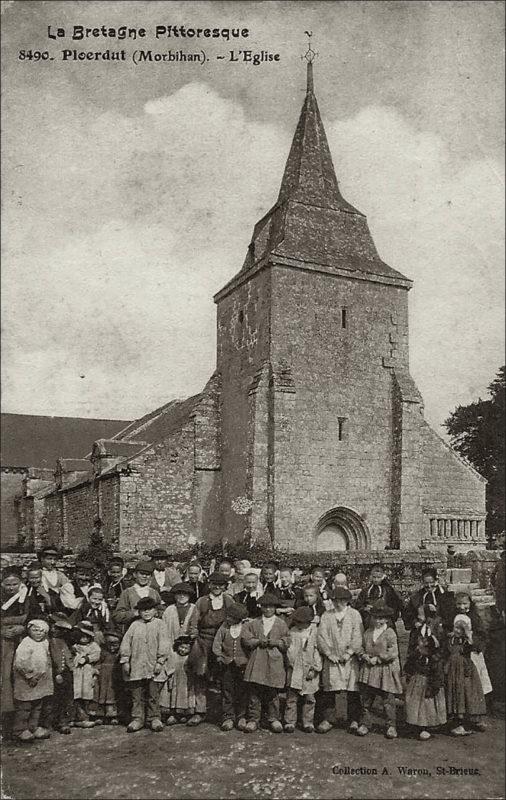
column 183, row 639
column 111, row 632
column 60, row 620
column 182, row 588
column 86, row 565
column 237, row 612
column 302, row 615
column 341, row 593
column 48, row 549
column 269, row 600
column 86, row 627
column 159, row 553
column 144, row 566
column 219, row 578
column 380, row 610
column 146, row 603
column 430, row 571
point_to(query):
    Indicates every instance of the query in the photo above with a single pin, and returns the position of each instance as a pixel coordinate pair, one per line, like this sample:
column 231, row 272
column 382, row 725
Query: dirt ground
column 202, row 762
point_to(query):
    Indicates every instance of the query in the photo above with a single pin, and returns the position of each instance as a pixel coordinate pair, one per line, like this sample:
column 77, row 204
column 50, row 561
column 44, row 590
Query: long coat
column 337, row 638
column 125, row 612
column 175, row 628
column 303, row 655
column 12, row 630
column 85, row 675
column 144, row 644
column 266, row 665
column 386, row 675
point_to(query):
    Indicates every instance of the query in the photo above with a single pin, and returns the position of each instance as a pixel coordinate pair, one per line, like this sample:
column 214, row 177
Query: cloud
column 119, row 230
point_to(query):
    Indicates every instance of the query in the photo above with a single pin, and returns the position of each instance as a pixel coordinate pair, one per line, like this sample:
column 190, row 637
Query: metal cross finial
column 310, row 54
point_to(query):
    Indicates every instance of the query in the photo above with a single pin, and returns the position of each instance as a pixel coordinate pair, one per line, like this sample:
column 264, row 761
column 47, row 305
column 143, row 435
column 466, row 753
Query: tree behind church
column 477, row 433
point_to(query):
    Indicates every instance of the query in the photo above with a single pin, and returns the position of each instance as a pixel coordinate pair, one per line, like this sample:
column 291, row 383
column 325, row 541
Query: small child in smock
column 179, row 697
column 465, row 701
column 33, row 683
column 425, row 696
column 380, row 670
column 303, row 673
column 109, row 683
column 85, row 669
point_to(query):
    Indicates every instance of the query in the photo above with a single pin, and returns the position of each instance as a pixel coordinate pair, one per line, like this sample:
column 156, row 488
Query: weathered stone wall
column 156, row 503
column 338, row 373
column 206, row 486
column 243, row 346
column 54, row 516
column 80, row 514
column 109, row 508
column 11, row 487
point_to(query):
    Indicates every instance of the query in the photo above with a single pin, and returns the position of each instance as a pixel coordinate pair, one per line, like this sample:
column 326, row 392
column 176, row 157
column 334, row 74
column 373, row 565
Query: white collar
column 376, row 632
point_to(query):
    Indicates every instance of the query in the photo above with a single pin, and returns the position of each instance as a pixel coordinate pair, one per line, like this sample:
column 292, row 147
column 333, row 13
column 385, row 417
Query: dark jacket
column 445, row 605
column 251, row 603
column 369, row 596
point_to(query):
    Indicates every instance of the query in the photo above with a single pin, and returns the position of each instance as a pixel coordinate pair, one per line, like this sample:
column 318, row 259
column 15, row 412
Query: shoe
column 113, row 721
column 98, row 721
column 135, row 725
column 195, row 720
column 308, row 728
column 171, row 720
column 227, row 725
column 424, row 735
column 353, row 727
column 25, row 736
column 156, row 725
column 276, row 726
column 362, row 730
column 65, row 729
column 241, row 725
column 480, row 726
column 324, row 727
column 41, row 733
column 460, row 731
column 86, row 723
column 289, row 728
column 391, row 732
column 251, row 727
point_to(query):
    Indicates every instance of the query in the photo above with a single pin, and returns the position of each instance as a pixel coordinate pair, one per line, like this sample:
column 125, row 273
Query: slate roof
column 311, row 222
column 38, row 441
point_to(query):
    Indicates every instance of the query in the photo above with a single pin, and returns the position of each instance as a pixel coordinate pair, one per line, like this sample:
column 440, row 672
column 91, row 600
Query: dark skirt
column 464, row 693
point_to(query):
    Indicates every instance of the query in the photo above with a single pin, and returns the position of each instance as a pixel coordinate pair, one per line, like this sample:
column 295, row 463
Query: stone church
column 310, row 434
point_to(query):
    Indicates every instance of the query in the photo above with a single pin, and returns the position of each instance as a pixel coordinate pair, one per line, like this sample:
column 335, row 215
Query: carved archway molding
column 351, row 523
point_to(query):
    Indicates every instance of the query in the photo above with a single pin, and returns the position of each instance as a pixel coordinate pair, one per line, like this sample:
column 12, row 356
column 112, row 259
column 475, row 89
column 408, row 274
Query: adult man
column 39, row 600
column 433, row 595
column 54, row 579
column 126, row 610
column 194, row 577
column 164, row 575
column 224, row 567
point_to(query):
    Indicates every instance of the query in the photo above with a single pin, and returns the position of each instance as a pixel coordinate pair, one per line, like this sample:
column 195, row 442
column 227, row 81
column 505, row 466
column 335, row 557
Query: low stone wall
column 483, row 564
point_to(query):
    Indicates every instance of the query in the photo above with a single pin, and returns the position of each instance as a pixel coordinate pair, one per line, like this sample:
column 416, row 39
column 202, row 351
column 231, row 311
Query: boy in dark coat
column 229, row 652
column 378, row 589
column 62, row 706
column 266, row 640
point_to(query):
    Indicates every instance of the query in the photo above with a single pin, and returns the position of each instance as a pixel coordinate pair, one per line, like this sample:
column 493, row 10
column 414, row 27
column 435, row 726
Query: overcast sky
column 130, row 192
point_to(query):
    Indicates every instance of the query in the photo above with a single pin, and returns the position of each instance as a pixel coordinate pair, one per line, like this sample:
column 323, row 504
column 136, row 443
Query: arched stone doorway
column 341, row 529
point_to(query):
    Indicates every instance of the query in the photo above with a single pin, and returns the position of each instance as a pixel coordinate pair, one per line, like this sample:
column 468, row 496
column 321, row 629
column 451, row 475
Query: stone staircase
column 460, row 580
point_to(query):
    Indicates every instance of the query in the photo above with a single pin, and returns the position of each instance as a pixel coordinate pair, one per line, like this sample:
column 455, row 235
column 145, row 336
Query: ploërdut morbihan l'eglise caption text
column 141, row 56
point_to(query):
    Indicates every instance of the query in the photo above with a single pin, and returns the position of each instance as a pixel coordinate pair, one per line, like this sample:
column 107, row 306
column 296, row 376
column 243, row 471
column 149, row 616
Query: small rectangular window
column 343, row 318
column 341, row 429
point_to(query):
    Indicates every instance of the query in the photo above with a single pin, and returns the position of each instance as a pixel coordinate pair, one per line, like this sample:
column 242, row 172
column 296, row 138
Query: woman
column 13, row 602
column 207, row 616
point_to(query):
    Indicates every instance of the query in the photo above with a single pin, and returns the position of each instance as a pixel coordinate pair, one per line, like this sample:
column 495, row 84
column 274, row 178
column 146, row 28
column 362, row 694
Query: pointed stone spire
column 309, row 175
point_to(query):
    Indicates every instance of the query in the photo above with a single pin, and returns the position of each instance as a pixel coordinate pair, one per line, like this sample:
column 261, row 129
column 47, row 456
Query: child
column 269, row 578
column 340, row 641
column 116, row 581
column 177, row 619
column 425, row 697
column 33, row 682
column 85, row 668
column 62, row 661
column 143, row 653
column 465, row 701
column 465, row 605
column 378, row 589
column 312, row 598
column 289, row 594
column 39, row 601
column 109, row 683
column 180, row 694
column 380, row 672
column 227, row 648
column 250, row 594
column 266, row 640
column 303, row 673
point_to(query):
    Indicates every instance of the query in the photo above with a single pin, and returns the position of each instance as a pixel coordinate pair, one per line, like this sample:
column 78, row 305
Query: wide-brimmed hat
column 111, row 632
column 144, row 566
column 86, row 565
column 380, row 610
column 86, row 627
column 302, row 616
column 60, row 620
column 182, row 588
column 159, row 553
column 340, row 593
column 218, row 578
column 49, row 549
column 269, row 600
column 237, row 612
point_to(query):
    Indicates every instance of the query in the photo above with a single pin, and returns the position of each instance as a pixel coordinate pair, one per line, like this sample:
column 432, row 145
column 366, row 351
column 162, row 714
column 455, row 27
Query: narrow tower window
column 341, row 428
column 343, row 318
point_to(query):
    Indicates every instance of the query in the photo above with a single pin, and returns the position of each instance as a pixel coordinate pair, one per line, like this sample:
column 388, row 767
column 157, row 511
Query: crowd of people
column 145, row 647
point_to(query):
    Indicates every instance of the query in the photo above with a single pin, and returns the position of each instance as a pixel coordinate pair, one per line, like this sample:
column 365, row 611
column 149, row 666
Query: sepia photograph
column 253, row 400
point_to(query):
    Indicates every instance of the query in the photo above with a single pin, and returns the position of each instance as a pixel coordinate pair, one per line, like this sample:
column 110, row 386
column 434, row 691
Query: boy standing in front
column 143, row 653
